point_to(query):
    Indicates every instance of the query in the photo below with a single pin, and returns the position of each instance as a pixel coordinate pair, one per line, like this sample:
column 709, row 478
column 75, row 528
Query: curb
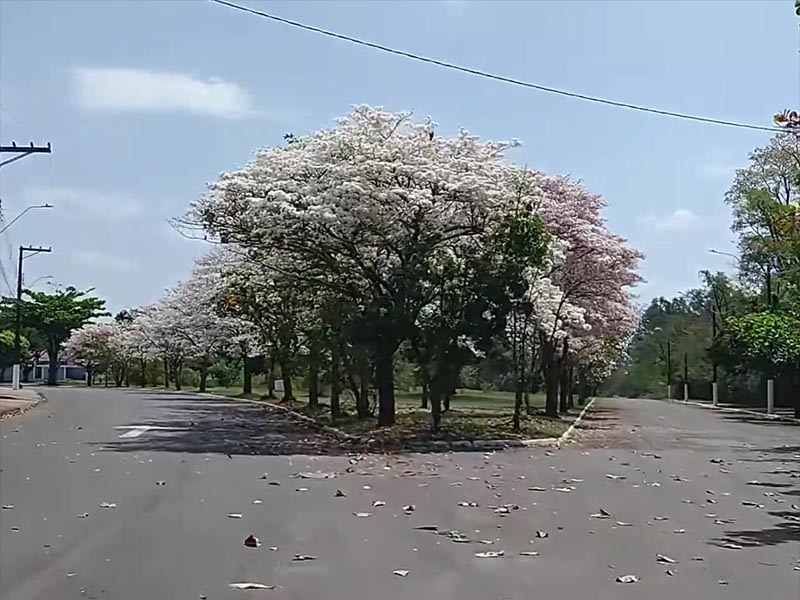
column 23, row 409
column 432, row 446
column 731, row 409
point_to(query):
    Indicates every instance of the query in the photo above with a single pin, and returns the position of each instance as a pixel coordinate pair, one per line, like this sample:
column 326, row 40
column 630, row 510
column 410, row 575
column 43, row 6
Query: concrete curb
column 39, row 399
column 431, row 446
column 731, row 409
column 434, row 445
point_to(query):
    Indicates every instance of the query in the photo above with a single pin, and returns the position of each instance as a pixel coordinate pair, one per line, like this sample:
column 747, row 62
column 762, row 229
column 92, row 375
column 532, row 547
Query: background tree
column 55, row 316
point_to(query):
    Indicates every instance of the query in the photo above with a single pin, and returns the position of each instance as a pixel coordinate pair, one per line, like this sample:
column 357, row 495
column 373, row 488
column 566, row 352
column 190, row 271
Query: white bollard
column 15, row 377
column 685, row 392
column 669, row 392
column 770, row 396
column 714, row 393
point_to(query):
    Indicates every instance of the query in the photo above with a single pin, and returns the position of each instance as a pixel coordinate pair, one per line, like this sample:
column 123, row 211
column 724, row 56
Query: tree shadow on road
column 200, row 425
column 782, row 533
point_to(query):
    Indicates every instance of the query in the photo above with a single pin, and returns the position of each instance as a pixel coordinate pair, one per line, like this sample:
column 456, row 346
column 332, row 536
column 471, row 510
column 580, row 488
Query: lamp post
column 15, row 219
column 15, row 376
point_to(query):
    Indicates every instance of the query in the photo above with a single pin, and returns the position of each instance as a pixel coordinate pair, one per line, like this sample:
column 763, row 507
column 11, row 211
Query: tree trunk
column 550, row 373
column 88, row 377
column 335, row 382
column 52, row 370
column 286, row 376
column 271, row 375
column 570, row 378
column 363, row 390
column 436, row 406
column 384, row 373
column 166, row 373
column 247, row 376
column 203, row 376
column 127, row 374
column 178, row 373
column 143, row 365
column 425, row 390
column 563, row 388
column 313, row 379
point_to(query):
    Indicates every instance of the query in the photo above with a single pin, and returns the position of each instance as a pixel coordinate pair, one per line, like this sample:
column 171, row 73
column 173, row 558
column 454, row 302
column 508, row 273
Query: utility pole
column 714, row 384
column 15, row 377
column 22, row 151
column 669, row 369
column 685, row 376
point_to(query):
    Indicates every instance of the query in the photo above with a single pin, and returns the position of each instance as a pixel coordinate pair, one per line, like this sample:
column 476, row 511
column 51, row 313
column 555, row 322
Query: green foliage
column 7, row 347
column 225, row 371
column 765, row 341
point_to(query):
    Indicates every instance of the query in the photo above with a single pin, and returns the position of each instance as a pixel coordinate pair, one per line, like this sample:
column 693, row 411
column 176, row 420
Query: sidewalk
column 13, row 402
column 780, row 414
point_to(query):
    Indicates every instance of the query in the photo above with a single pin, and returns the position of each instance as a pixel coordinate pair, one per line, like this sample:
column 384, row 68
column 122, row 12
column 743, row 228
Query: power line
column 486, row 75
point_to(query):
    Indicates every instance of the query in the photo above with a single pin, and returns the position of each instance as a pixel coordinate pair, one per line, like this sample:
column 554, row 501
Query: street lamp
column 15, row 219
column 38, row 279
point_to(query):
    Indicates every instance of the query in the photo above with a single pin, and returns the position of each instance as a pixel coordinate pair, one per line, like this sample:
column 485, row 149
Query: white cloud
column 101, row 260
column 86, row 202
column 679, row 221
column 141, row 90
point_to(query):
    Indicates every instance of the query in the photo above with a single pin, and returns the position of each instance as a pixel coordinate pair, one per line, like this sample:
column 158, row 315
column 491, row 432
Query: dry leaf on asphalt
column 614, row 477
column 624, row 524
column 301, row 489
column 659, row 518
column 401, row 572
column 378, row 503
column 627, row 579
column 536, row 489
column 678, row 531
column 303, row 557
column 409, row 508
column 362, row 515
column 722, row 582
column 698, row 558
column 528, row 553
column 340, row 494
column 662, row 558
column 603, row 514
column 751, row 503
column 542, row 534
column 234, row 515
column 274, row 483
column 257, row 501
column 498, row 554
column 252, row 541
column 107, row 505
column 731, row 546
column 8, row 506
column 427, row 528
column 247, row 585
column 83, row 516
column 161, row 483
column 470, row 504
column 669, row 572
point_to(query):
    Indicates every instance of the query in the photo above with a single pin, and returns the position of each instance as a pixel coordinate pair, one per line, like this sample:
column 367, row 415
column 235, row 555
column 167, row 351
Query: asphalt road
column 673, row 479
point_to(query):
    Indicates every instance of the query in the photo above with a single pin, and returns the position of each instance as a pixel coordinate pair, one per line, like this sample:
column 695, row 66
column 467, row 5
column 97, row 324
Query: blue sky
column 145, row 102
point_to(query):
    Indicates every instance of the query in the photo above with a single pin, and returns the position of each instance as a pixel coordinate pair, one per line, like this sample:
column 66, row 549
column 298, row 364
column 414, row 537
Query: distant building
column 38, row 372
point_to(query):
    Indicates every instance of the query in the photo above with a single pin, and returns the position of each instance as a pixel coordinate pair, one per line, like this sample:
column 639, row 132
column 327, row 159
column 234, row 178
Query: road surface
column 646, row 478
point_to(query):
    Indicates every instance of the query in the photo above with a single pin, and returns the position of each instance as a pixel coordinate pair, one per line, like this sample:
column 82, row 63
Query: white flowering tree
column 367, row 209
column 99, row 348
